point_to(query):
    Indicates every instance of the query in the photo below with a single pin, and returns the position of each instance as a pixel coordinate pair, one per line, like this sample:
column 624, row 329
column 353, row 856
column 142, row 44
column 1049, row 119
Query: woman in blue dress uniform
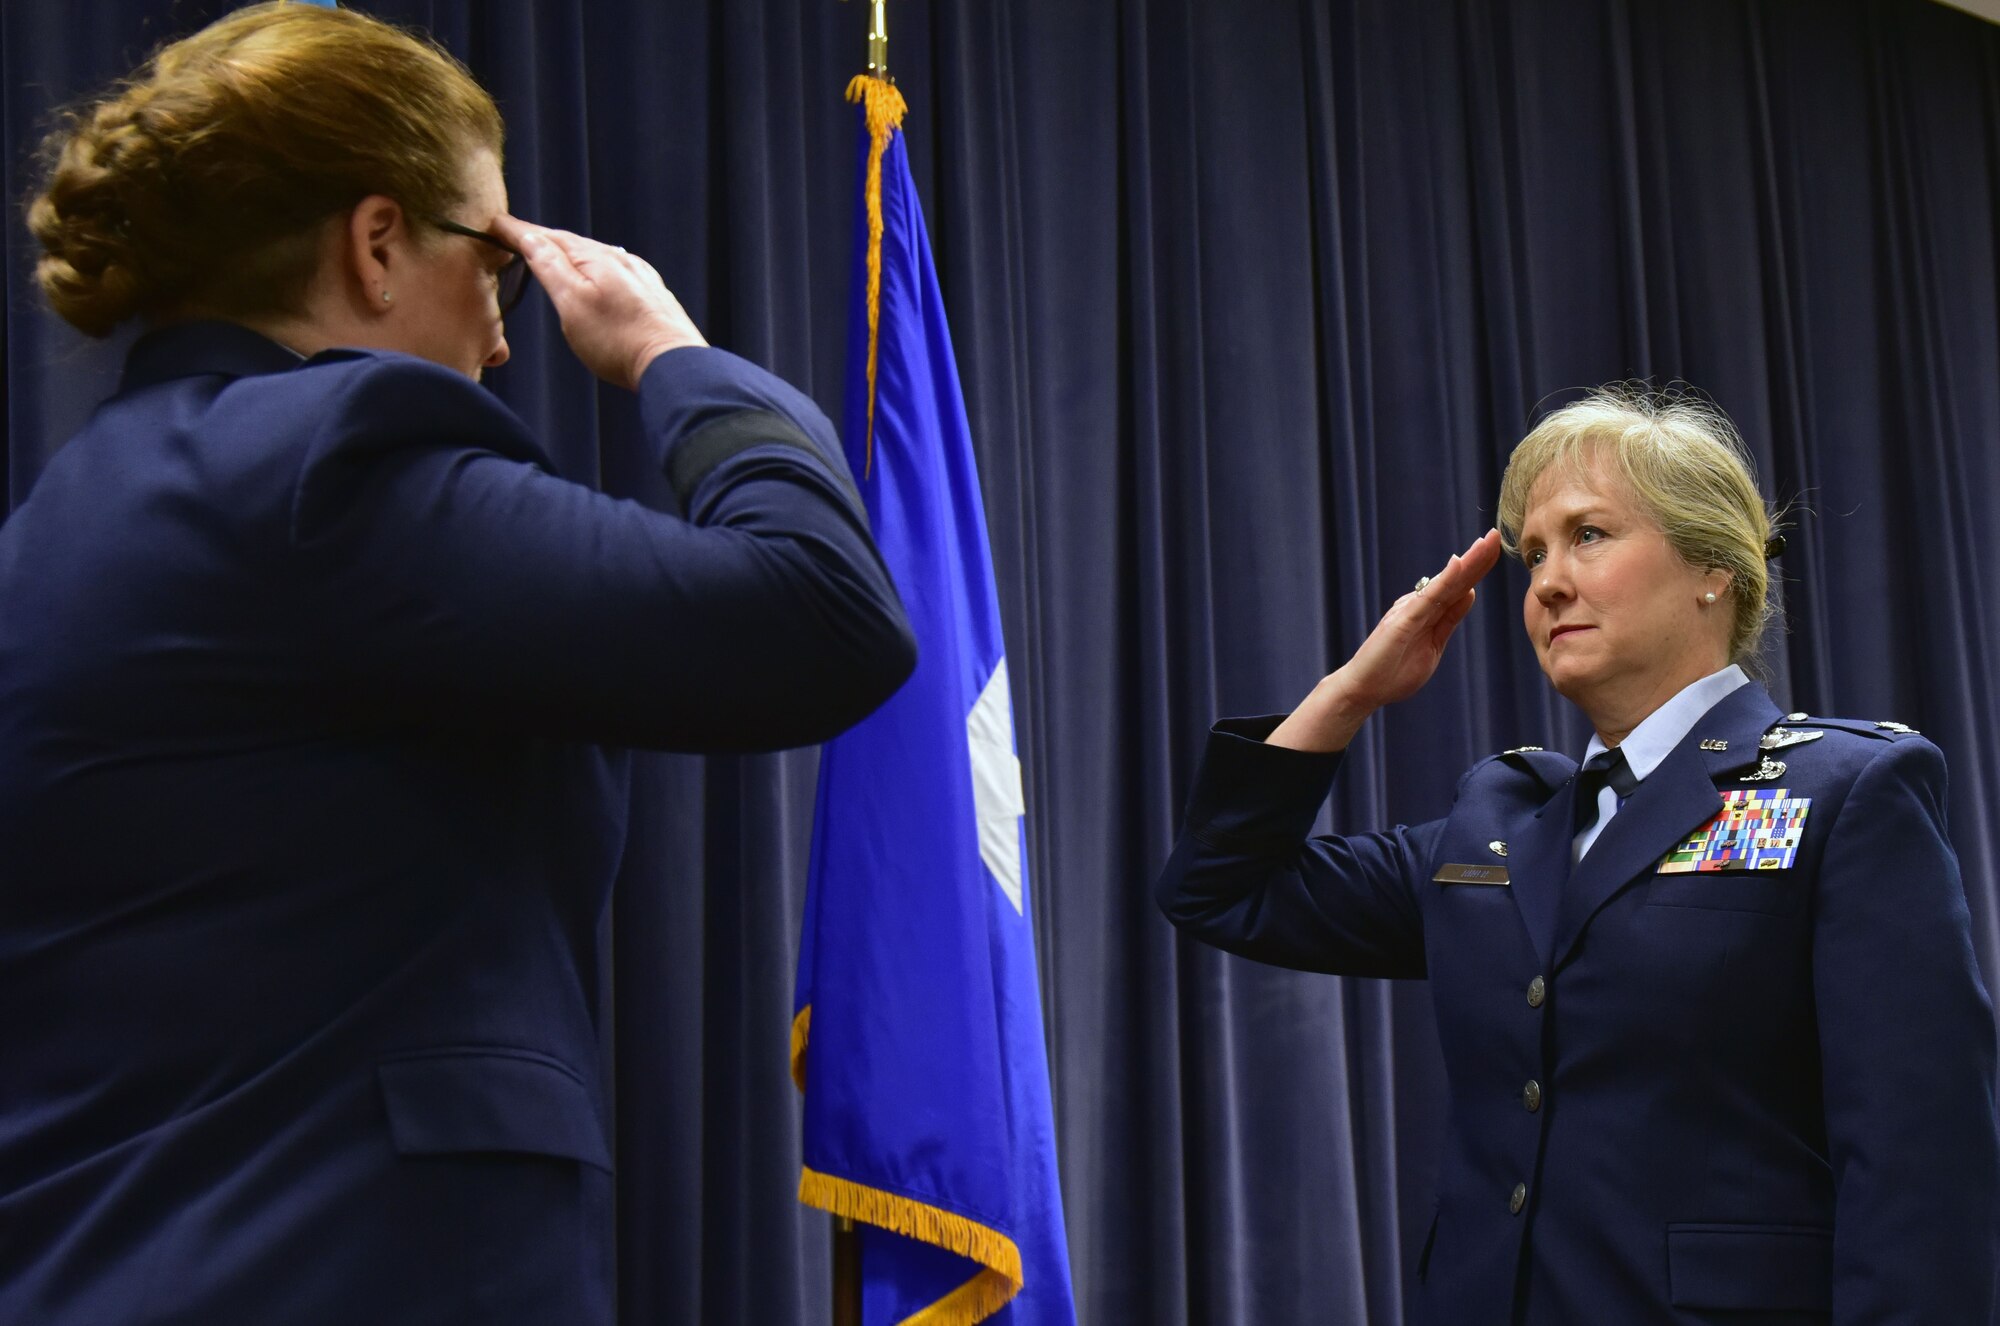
column 1716, row 1042
column 315, row 679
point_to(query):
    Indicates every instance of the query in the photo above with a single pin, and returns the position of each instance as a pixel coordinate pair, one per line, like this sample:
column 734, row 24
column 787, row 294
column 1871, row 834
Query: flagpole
column 846, row 1273
column 878, row 40
column 846, row 1236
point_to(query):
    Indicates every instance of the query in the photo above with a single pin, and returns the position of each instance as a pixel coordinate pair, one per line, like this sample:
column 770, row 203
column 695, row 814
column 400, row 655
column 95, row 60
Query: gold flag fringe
column 883, row 106
column 975, row 1300
column 801, row 1027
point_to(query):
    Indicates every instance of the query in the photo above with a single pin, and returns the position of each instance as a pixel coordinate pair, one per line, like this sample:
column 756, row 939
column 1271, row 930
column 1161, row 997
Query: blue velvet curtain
column 1251, row 301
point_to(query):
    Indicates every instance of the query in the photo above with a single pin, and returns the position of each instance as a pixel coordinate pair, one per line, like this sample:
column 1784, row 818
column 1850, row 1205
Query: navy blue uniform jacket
column 1753, row 1098
column 309, row 675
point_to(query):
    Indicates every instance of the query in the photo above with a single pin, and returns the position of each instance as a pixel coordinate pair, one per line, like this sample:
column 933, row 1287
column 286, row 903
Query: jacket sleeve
column 1247, row 877
column 1907, row 1050
column 449, row 578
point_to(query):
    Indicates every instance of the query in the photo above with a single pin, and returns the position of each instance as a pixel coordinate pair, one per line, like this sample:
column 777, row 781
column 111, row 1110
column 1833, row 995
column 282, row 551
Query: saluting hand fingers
column 549, row 261
column 1463, row 571
column 617, row 314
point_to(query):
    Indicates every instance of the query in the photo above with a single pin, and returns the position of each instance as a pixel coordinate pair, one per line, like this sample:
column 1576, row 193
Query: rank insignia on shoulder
column 1780, row 737
column 1756, row 829
column 1767, row 770
column 1521, row 750
column 1901, row 729
column 1714, row 743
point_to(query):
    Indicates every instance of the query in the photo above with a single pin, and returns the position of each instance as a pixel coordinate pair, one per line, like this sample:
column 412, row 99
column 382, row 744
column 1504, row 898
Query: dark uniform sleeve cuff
column 1249, row 794
column 728, row 435
column 704, row 406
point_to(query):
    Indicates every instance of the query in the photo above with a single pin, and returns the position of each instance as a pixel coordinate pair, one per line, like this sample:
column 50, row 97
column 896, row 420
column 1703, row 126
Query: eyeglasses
column 513, row 283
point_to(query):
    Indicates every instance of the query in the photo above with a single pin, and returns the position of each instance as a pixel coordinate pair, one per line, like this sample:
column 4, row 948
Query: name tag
column 1457, row 874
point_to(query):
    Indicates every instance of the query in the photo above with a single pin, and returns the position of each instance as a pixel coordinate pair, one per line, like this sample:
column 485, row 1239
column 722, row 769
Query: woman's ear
column 377, row 231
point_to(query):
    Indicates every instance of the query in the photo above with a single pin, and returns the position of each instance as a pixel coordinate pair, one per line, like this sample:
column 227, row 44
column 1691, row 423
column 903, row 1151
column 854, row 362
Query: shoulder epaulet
column 1885, row 729
column 1550, row 767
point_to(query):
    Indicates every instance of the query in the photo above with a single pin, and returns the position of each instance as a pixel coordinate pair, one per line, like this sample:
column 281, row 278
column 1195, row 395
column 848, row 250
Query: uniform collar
column 1655, row 738
column 197, row 349
column 1679, row 797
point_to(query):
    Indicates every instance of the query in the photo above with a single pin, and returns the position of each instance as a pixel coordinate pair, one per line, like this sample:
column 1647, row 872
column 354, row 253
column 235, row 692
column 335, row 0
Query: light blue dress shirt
column 1652, row 740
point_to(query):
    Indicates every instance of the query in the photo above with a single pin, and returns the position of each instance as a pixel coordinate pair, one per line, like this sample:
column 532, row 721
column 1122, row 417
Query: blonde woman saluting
column 1717, row 1047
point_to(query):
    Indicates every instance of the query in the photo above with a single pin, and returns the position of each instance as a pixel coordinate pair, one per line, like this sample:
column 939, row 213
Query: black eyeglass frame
column 515, row 273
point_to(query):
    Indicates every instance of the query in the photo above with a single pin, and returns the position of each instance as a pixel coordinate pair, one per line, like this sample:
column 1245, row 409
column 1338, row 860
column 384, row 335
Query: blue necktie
column 1607, row 766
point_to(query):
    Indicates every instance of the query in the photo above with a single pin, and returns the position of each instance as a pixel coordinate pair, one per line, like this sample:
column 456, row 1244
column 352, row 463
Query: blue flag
column 918, row 1031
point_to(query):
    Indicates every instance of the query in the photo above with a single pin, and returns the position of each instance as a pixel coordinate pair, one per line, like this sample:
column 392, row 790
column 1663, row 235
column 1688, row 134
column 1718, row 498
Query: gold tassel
column 975, row 1300
column 884, row 108
column 801, row 1027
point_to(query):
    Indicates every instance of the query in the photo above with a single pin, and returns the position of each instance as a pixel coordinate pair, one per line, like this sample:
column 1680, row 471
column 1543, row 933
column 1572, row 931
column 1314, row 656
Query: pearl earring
column 385, row 296
column 1708, row 597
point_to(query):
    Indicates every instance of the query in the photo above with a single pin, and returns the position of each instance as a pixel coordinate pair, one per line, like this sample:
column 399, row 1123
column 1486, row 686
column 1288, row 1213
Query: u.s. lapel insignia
column 1768, row 770
column 1714, row 743
column 1497, row 847
column 1780, row 737
column 1756, row 829
column 1901, row 729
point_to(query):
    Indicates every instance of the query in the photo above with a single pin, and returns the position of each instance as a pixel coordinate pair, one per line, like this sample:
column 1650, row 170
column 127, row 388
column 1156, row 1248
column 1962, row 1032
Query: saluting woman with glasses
column 311, row 675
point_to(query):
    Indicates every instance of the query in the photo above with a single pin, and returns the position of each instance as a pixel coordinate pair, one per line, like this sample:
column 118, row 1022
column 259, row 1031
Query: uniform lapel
column 1538, row 859
column 1675, row 799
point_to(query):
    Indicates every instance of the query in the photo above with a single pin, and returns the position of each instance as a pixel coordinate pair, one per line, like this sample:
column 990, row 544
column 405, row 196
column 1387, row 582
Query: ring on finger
column 1422, row 581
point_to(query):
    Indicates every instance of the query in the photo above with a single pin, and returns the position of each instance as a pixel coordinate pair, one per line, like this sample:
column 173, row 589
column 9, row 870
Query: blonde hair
column 199, row 184
column 1678, row 456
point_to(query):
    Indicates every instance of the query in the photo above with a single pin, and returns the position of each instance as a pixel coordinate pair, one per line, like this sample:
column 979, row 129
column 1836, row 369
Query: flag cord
column 883, row 107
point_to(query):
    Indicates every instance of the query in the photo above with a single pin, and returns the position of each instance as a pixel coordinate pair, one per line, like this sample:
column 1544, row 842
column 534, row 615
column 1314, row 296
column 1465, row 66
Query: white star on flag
column 996, row 783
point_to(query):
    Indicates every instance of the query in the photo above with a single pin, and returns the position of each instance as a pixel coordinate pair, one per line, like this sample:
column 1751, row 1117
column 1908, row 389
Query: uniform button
column 1531, row 1095
column 1537, row 991
column 1518, row 1200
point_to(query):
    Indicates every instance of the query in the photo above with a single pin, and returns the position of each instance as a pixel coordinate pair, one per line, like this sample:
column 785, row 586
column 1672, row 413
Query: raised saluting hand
column 1398, row 656
column 617, row 314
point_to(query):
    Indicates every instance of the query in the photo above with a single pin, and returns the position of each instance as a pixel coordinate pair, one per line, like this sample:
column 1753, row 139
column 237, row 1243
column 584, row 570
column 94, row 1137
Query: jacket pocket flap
column 1772, row 892
column 1751, row 1268
column 490, row 1101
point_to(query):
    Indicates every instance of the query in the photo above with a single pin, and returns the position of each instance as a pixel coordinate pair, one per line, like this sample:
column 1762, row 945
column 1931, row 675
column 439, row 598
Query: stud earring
column 1708, row 597
column 385, row 296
